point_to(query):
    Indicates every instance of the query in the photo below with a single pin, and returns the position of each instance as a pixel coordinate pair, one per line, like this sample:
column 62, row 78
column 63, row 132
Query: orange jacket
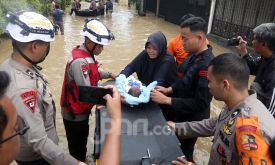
column 175, row 48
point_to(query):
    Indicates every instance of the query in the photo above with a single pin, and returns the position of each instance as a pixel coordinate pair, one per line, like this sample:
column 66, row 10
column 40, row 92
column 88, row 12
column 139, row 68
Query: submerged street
column 131, row 32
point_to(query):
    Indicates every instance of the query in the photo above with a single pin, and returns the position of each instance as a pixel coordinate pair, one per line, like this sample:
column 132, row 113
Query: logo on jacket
column 29, row 99
column 248, row 142
column 226, row 130
column 85, row 70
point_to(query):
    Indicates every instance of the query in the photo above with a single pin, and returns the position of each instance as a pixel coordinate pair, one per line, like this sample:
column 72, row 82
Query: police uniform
column 81, row 70
column 241, row 135
column 31, row 96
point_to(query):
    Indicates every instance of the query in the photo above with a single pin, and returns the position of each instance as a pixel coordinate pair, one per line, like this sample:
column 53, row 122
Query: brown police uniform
column 241, row 135
column 31, row 96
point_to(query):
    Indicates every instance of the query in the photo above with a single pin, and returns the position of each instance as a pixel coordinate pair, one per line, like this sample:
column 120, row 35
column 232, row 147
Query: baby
column 134, row 91
column 133, row 86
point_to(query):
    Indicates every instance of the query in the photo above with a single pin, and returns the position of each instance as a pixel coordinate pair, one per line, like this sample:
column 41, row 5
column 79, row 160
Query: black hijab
column 161, row 69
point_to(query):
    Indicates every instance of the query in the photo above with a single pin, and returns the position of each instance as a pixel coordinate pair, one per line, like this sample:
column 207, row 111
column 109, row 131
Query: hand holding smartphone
column 93, row 94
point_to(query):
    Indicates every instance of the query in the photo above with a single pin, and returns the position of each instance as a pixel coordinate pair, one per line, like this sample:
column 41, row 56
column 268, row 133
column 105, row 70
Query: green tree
column 63, row 4
column 15, row 6
column 12, row 6
column 35, row 4
column 2, row 22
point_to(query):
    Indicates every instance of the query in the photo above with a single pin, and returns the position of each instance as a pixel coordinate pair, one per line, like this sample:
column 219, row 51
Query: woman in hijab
column 153, row 63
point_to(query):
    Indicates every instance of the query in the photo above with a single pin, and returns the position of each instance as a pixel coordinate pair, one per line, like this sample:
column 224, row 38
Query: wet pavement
column 131, row 32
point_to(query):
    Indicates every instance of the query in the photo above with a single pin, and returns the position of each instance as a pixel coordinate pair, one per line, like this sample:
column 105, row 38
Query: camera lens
column 233, row 41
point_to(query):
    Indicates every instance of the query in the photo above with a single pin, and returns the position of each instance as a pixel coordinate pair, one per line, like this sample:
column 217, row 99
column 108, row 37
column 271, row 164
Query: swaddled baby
column 133, row 86
column 133, row 91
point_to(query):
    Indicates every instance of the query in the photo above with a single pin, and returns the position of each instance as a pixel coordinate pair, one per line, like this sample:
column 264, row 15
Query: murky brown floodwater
column 131, row 32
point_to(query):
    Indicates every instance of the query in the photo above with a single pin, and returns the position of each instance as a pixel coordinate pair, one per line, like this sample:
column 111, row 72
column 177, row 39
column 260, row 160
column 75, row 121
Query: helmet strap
column 25, row 57
column 91, row 52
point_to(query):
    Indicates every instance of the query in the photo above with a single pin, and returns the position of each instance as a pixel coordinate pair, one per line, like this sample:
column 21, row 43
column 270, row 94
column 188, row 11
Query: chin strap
column 91, row 52
column 27, row 58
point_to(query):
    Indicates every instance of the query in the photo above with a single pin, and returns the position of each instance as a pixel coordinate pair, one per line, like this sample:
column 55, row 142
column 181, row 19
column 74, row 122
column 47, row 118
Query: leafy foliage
column 41, row 6
column 35, row 4
column 2, row 22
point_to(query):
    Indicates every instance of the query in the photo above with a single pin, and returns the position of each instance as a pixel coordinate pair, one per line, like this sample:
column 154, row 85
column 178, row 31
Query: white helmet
column 97, row 32
column 29, row 26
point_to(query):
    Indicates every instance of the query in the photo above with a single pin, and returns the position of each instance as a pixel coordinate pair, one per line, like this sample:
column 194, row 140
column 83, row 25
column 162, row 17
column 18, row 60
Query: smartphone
column 93, row 94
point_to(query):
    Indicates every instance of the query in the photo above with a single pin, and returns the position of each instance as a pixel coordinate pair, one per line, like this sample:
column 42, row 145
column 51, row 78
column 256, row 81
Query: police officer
column 82, row 69
column 31, row 35
column 191, row 97
column 244, row 129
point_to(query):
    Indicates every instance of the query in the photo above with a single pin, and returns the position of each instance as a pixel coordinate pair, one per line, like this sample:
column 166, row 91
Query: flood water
column 131, row 32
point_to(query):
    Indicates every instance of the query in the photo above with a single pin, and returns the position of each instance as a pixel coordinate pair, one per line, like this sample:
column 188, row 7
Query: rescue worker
column 82, row 70
column 31, row 35
column 262, row 67
column 244, row 130
column 190, row 100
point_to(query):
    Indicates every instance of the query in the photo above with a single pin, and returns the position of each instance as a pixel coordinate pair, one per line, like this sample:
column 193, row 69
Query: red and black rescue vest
column 69, row 95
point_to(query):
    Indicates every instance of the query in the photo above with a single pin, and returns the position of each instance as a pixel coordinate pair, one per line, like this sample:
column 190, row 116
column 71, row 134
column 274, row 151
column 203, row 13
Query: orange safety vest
column 69, row 95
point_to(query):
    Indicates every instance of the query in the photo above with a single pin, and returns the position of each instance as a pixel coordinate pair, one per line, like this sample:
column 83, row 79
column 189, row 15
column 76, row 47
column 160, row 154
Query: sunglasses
column 21, row 129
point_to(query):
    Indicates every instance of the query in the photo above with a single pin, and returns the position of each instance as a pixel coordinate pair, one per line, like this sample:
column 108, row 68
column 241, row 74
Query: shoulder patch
column 29, row 99
column 249, row 142
column 85, row 69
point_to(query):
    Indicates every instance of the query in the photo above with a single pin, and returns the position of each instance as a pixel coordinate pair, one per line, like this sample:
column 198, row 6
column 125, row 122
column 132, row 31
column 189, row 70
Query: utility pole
column 142, row 8
column 157, row 9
